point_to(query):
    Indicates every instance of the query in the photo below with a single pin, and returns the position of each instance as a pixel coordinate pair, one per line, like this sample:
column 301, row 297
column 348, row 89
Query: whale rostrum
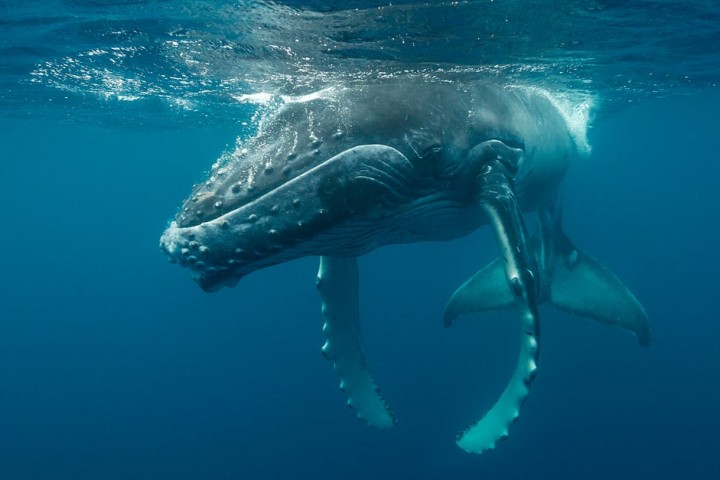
column 340, row 173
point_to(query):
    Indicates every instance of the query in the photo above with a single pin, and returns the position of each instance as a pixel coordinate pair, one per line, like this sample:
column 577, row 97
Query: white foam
column 320, row 94
column 259, row 98
column 576, row 109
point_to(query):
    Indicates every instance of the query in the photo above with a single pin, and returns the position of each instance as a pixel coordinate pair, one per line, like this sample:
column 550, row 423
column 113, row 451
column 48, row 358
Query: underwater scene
column 359, row 239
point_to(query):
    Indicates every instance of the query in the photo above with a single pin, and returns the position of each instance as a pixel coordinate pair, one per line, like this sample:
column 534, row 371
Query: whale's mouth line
column 300, row 180
column 346, row 205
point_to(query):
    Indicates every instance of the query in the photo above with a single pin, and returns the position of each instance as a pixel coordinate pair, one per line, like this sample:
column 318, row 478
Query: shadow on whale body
column 340, row 173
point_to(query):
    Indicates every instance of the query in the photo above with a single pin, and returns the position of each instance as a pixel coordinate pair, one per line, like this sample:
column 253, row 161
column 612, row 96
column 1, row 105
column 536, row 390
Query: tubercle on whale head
column 181, row 246
column 344, row 205
column 251, row 172
column 303, row 133
column 343, row 176
column 290, row 141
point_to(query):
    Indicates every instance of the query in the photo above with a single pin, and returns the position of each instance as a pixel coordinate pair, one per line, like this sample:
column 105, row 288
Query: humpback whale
column 344, row 171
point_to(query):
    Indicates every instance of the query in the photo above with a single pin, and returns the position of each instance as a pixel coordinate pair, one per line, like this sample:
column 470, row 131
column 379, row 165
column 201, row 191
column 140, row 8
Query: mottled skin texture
column 342, row 173
column 239, row 228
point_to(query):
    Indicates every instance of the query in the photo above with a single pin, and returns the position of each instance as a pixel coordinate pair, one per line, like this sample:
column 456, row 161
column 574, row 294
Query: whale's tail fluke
column 569, row 280
column 577, row 283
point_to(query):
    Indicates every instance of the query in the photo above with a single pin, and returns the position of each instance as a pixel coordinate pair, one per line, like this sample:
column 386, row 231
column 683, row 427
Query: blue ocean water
column 115, row 365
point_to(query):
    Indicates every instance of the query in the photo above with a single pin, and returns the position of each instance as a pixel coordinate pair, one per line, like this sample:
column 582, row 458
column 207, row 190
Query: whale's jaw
column 354, row 202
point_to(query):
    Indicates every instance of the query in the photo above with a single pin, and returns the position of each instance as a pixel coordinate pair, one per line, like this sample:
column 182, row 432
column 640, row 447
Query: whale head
column 321, row 177
column 343, row 172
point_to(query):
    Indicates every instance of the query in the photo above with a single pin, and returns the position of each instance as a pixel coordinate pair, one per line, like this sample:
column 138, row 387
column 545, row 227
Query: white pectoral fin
column 520, row 291
column 584, row 287
column 337, row 283
column 512, row 280
column 494, row 425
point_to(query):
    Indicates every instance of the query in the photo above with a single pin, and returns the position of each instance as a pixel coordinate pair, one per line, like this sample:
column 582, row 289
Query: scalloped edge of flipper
column 521, row 278
column 494, row 425
column 337, row 282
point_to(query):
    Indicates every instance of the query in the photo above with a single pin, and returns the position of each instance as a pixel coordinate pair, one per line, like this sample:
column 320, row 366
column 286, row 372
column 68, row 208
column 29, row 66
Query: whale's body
column 340, row 173
column 428, row 195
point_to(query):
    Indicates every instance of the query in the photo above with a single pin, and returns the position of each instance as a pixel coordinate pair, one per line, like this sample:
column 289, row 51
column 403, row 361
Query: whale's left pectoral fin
column 337, row 283
column 512, row 280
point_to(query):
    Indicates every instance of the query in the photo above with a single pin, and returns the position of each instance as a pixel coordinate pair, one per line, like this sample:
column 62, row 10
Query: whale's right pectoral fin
column 337, row 283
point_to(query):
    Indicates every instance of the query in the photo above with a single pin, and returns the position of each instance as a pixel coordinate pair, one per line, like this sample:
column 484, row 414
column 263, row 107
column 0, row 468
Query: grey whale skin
column 347, row 170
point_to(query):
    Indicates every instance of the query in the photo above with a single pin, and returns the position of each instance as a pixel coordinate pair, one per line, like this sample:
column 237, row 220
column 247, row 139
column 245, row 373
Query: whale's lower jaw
column 360, row 199
column 219, row 255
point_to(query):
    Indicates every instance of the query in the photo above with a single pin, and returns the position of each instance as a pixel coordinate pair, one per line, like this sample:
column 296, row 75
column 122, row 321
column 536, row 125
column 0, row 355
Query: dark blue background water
column 114, row 365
